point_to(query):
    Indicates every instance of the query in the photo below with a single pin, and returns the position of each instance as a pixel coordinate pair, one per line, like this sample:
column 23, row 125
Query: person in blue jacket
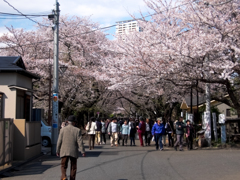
column 157, row 131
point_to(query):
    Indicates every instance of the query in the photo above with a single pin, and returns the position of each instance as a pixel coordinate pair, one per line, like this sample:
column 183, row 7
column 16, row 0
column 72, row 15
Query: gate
column 6, row 141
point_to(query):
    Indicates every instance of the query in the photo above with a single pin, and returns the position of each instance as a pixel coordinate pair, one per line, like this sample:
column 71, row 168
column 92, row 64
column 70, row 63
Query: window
column 228, row 112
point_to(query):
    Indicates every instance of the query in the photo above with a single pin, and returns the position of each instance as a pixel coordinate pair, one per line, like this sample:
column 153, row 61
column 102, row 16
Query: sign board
column 55, row 109
column 190, row 118
column 221, row 119
column 207, row 124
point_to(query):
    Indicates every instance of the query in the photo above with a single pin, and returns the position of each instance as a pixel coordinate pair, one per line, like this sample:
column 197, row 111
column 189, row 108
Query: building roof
column 201, row 100
column 15, row 64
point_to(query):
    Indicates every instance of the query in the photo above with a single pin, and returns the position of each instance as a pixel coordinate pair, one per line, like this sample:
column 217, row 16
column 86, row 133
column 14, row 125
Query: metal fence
column 6, row 141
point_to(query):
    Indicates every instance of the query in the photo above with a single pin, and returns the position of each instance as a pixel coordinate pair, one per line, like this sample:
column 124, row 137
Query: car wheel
column 45, row 142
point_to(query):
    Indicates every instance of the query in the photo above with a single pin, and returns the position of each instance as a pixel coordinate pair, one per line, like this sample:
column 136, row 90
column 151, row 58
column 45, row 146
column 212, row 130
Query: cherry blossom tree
column 183, row 42
column 80, row 50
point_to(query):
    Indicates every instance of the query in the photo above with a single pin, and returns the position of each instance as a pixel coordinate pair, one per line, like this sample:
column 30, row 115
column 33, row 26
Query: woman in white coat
column 91, row 130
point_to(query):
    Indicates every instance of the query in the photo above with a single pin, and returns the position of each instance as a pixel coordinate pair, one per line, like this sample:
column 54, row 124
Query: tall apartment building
column 126, row 27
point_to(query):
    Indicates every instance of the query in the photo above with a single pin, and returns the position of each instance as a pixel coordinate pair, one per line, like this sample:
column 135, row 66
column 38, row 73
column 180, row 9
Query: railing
column 6, row 141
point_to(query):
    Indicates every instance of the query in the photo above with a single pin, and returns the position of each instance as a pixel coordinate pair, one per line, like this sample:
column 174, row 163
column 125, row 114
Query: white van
column 46, row 133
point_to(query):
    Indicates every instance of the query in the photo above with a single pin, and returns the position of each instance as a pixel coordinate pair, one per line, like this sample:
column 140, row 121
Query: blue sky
column 105, row 12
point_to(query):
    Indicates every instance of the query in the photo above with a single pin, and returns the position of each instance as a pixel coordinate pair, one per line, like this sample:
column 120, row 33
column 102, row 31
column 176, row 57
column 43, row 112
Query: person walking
column 141, row 130
column 189, row 135
column 103, row 132
column 91, row 130
column 169, row 131
column 106, row 127
column 120, row 123
column 157, row 131
column 148, row 134
column 179, row 132
column 125, row 132
column 133, row 130
column 164, row 135
column 113, row 131
column 69, row 141
column 98, row 132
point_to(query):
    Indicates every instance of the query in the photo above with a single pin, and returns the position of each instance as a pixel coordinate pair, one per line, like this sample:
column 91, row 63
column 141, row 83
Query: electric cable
column 24, row 14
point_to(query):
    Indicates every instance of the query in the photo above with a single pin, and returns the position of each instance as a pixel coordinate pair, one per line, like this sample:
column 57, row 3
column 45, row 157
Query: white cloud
column 104, row 11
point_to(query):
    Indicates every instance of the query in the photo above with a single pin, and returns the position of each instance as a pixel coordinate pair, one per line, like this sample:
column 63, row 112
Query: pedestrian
column 157, row 131
column 63, row 124
column 98, row 132
column 103, row 132
column 113, row 131
column 179, row 131
column 106, row 127
column 125, row 132
column 141, row 130
column 148, row 134
column 68, row 144
column 133, row 130
column 164, row 135
column 91, row 130
column 189, row 135
column 120, row 123
column 169, row 131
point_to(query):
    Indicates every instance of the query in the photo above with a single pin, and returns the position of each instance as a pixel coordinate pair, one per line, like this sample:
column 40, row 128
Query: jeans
column 124, row 139
column 170, row 139
column 148, row 137
column 103, row 137
column 190, row 142
column 132, row 140
column 158, row 141
column 64, row 166
column 91, row 140
column 179, row 140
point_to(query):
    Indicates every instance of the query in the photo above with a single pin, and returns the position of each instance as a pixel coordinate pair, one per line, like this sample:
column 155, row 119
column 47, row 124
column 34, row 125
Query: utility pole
column 55, row 81
column 50, row 95
column 207, row 115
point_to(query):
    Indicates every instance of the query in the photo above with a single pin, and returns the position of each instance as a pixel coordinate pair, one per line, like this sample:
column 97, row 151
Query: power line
column 30, row 44
column 23, row 14
column 12, row 14
column 16, row 18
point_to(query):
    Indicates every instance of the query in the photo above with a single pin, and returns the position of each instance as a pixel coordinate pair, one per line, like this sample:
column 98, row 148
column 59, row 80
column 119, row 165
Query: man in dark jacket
column 179, row 131
column 189, row 135
column 169, row 130
column 69, row 142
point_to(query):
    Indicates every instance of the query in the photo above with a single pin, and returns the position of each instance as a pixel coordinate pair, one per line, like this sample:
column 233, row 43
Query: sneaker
column 161, row 149
column 111, row 145
column 180, row 149
column 175, row 147
column 100, row 143
column 104, row 143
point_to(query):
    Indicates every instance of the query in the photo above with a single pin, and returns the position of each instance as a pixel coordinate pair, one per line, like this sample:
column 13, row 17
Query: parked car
column 46, row 133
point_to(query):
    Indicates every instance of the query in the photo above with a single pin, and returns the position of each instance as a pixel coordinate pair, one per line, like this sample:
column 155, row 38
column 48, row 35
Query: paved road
column 139, row 163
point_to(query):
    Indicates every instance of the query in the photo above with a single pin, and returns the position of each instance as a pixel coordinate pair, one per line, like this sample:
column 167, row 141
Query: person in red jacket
column 141, row 130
